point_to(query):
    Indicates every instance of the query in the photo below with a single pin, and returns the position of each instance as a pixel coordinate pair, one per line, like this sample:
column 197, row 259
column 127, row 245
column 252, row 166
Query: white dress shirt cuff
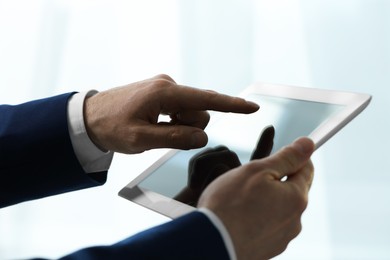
column 222, row 230
column 91, row 158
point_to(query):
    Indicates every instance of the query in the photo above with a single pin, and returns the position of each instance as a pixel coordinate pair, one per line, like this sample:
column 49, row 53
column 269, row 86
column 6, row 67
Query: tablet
column 292, row 111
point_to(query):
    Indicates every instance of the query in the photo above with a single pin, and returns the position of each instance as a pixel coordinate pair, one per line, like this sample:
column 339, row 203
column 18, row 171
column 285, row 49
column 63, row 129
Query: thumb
column 293, row 157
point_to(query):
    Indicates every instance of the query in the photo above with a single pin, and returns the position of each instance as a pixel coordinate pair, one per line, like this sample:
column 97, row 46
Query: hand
column 262, row 213
column 125, row 119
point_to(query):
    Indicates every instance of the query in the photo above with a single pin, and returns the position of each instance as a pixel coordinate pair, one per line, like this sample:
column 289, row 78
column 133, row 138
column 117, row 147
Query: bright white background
column 54, row 46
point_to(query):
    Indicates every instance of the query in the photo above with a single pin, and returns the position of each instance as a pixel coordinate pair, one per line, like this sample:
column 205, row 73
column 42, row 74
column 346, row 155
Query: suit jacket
column 37, row 160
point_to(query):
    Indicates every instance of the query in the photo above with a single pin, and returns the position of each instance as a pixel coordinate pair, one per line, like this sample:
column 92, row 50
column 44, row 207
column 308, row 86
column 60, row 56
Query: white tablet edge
column 354, row 102
column 161, row 204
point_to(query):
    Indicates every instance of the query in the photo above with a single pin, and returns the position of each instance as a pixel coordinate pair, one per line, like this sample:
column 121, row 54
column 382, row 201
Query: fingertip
column 253, row 106
column 198, row 139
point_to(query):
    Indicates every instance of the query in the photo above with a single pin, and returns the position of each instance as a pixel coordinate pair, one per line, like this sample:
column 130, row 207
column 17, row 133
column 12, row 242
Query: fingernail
column 304, row 145
column 253, row 104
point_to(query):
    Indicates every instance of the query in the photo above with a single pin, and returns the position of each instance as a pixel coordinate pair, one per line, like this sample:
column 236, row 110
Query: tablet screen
column 291, row 119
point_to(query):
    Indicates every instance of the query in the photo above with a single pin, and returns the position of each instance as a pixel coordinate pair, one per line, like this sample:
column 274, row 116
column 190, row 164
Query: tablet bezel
column 353, row 104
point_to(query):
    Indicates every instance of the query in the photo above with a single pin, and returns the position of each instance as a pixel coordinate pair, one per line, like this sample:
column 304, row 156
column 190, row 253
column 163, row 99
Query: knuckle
column 211, row 96
column 298, row 229
column 295, row 228
column 161, row 84
column 278, row 249
column 173, row 138
column 251, row 167
column 204, row 119
column 161, row 87
column 164, row 77
column 134, row 138
column 301, row 202
column 310, row 173
column 289, row 157
column 263, row 169
column 310, row 166
column 133, row 142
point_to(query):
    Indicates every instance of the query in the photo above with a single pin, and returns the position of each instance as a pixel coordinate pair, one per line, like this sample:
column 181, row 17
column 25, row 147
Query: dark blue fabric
column 189, row 237
column 37, row 160
column 36, row 155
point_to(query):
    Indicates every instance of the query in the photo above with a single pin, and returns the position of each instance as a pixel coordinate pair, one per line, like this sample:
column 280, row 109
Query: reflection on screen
column 291, row 119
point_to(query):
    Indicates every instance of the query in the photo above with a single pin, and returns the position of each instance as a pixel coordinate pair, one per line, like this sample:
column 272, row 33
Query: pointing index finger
column 187, row 98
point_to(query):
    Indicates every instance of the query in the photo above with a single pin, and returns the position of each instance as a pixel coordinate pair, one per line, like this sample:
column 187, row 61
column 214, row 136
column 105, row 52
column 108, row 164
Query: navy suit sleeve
column 36, row 154
column 37, row 160
column 192, row 236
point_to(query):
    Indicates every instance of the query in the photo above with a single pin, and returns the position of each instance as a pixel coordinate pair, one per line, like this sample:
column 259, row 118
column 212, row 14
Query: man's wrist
column 91, row 158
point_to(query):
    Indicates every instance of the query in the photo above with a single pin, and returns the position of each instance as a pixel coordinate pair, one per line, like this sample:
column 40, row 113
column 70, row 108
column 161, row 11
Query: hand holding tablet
column 292, row 111
column 262, row 214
